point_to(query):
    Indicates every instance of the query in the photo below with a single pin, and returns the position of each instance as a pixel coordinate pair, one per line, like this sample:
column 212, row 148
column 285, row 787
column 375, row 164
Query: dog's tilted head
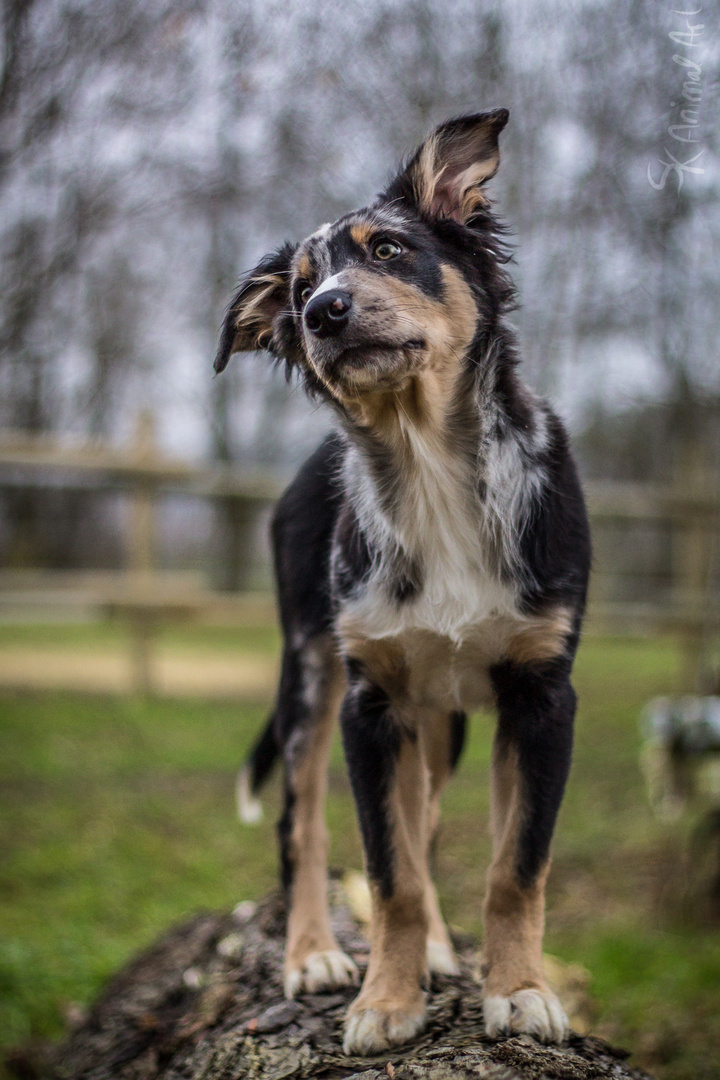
column 398, row 288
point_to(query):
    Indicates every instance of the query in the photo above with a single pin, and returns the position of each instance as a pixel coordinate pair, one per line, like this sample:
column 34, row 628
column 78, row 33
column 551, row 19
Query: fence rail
column 688, row 603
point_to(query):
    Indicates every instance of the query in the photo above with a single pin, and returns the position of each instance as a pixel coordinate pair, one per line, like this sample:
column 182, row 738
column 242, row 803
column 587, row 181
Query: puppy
column 431, row 558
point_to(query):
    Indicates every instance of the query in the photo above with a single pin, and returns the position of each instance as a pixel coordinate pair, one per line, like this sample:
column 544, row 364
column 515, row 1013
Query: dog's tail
column 255, row 772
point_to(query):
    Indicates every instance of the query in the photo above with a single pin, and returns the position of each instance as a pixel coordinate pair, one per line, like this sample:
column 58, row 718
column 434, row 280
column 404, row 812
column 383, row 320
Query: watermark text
column 681, row 156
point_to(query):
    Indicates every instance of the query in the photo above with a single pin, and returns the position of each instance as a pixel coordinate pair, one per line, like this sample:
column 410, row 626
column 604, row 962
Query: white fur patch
column 441, row 959
column 321, row 971
column 529, row 1012
column 440, row 524
column 334, row 282
column 314, row 672
column 369, row 1031
column 249, row 808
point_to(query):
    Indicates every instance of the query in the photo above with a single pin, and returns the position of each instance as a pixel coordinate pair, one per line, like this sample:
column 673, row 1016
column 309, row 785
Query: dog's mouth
column 359, row 355
column 368, row 365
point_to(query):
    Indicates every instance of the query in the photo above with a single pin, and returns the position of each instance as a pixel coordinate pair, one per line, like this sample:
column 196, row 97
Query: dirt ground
column 174, row 672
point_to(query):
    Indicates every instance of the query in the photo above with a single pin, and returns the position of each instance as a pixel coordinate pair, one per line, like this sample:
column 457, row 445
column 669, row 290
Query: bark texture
column 206, row 1003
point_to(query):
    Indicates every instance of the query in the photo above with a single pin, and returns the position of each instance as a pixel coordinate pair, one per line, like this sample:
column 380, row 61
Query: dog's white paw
column 441, row 958
column 370, row 1031
column 321, row 971
column 530, row 1012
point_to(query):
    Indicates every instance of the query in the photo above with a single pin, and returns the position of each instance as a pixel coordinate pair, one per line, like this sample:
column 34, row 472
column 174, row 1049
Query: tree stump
column 206, row 1003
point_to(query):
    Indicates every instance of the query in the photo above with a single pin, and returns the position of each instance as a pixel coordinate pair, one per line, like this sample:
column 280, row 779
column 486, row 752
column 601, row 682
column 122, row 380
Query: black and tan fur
column 432, row 557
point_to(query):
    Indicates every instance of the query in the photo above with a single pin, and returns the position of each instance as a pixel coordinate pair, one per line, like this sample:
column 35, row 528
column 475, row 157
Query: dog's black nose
column 328, row 313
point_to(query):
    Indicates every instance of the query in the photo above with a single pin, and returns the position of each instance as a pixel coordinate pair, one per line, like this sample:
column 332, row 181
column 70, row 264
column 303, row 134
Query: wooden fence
column 685, row 514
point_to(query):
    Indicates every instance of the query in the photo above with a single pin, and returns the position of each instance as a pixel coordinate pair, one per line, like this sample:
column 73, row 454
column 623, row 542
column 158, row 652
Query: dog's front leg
column 391, row 785
column 531, row 760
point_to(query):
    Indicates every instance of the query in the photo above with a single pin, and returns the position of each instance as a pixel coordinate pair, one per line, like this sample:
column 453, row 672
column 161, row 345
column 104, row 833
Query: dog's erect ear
column 446, row 171
column 262, row 296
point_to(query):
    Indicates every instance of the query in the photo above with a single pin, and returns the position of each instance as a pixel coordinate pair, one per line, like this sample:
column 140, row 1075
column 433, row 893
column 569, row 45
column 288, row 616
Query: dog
column 432, row 557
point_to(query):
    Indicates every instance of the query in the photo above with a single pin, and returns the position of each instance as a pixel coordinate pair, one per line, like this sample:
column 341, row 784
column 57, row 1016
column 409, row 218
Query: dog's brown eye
column 305, row 294
column 386, row 249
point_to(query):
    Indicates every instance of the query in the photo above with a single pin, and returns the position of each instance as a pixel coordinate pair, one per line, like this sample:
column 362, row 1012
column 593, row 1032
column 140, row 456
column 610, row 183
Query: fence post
column 141, row 554
column 143, row 450
column 692, row 555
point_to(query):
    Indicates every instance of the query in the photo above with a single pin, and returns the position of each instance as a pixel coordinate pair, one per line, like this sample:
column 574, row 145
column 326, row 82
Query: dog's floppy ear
column 446, row 171
column 263, row 294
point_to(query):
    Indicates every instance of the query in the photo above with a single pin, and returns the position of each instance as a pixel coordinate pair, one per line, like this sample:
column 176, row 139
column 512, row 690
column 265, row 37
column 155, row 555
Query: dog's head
column 401, row 287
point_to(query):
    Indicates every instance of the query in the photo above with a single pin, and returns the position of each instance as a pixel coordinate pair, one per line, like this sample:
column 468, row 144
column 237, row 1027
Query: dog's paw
column 530, row 1012
column 370, row 1031
column 321, row 971
column 441, row 959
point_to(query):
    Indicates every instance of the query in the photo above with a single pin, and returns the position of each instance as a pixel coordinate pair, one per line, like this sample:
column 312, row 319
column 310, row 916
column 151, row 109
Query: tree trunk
column 206, row 1003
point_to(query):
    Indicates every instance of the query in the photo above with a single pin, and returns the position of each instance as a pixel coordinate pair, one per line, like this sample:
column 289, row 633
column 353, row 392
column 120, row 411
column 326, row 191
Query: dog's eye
column 386, row 249
column 305, row 293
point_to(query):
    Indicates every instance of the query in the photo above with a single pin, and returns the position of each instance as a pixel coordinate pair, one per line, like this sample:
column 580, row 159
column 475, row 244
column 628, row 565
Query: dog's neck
column 437, row 469
column 447, row 416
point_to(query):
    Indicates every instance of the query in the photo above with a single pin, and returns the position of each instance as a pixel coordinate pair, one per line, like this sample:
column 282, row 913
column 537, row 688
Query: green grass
column 117, row 819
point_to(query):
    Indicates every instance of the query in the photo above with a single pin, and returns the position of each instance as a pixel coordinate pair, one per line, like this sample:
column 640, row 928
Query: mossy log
column 206, row 1003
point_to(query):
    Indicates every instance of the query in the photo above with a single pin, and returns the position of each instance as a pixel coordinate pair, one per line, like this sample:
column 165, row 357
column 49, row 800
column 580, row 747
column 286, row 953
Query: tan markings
column 384, row 660
column 303, row 267
column 436, row 738
column 362, row 232
column 309, row 919
column 446, row 176
column 456, row 329
column 427, row 173
column 397, row 965
column 513, row 916
column 425, row 669
column 465, row 191
column 543, row 637
column 408, row 385
column 473, row 199
column 255, row 313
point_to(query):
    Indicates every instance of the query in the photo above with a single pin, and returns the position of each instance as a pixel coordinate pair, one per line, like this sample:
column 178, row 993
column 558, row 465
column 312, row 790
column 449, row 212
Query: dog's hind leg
column 531, row 760
column 443, row 740
column 311, row 688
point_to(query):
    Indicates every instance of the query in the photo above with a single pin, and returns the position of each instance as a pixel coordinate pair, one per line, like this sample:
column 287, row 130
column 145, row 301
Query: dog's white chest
column 442, row 643
column 463, row 615
column 443, row 530
column 450, row 605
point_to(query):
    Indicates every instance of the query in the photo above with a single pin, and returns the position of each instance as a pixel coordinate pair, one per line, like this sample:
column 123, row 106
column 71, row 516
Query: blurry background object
column 681, row 762
column 681, row 755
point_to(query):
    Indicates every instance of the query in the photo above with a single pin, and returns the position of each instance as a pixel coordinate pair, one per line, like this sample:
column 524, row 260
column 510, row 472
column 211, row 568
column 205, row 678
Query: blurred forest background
column 150, row 152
